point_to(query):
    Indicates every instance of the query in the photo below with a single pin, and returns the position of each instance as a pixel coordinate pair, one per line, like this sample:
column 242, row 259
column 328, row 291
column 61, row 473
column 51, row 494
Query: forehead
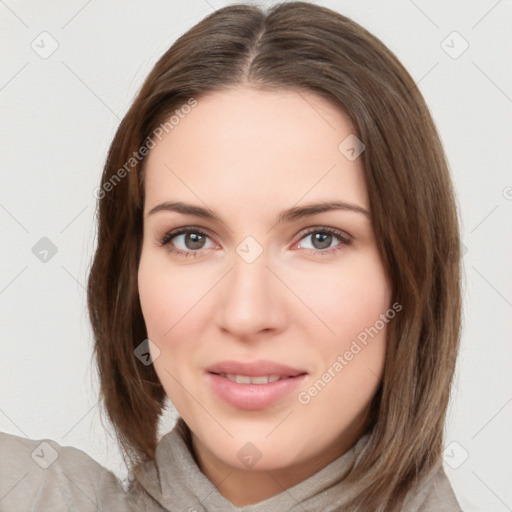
column 247, row 145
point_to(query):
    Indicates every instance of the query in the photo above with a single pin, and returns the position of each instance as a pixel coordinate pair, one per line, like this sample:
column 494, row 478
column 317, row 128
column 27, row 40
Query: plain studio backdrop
column 69, row 71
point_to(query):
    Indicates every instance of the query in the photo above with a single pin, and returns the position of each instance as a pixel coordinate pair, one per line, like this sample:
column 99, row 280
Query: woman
column 278, row 254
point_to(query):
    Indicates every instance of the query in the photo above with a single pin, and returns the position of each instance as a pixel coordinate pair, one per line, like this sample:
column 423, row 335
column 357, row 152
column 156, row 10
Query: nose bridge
column 251, row 296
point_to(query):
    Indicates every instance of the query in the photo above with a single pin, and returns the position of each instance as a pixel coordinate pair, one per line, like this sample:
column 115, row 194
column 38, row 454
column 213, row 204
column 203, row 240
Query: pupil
column 194, row 241
column 322, row 240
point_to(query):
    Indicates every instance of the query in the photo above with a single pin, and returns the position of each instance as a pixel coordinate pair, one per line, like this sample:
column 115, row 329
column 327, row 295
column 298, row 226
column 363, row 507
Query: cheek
column 166, row 296
column 154, row 299
column 165, row 299
column 175, row 314
column 352, row 302
column 347, row 299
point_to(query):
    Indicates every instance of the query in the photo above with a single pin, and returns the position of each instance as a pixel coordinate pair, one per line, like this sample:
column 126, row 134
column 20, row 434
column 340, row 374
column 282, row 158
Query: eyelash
column 343, row 238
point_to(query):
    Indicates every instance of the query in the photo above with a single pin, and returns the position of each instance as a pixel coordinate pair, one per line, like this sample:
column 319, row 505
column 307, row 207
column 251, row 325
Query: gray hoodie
column 41, row 475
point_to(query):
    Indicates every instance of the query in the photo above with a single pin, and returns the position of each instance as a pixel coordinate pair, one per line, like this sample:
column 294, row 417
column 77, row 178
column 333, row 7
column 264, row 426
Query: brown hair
column 301, row 46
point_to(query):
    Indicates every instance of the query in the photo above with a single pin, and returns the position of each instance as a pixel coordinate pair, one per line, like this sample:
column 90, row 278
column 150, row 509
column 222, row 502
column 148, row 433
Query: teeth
column 245, row 379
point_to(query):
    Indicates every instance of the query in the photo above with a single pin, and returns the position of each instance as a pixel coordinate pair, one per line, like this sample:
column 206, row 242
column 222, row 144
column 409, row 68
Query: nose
column 251, row 300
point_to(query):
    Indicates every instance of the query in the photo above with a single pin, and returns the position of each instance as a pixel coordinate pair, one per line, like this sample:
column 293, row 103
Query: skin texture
column 248, row 155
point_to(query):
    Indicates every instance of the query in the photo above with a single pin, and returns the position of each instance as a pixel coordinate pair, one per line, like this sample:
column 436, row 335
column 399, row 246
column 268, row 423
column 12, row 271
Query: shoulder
column 43, row 475
column 434, row 494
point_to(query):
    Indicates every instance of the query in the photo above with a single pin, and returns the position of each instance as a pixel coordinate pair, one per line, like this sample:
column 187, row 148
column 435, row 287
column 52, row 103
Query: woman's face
column 255, row 280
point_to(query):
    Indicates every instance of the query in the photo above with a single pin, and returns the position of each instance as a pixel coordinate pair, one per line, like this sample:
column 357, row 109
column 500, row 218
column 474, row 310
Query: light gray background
column 58, row 116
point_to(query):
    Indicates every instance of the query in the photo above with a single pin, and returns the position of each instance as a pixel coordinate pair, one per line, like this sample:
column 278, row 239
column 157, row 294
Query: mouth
column 247, row 379
column 242, row 372
column 253, row 386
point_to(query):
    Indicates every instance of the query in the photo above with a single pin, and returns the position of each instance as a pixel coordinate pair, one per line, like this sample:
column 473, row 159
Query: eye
column 324, row 240
column 187, row 241
column 192, row 241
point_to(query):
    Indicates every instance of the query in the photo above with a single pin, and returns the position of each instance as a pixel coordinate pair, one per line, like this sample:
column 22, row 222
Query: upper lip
column 254, row 368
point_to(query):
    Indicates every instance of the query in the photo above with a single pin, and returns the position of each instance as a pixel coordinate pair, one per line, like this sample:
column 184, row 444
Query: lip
column 255, row 368
column 253, row 396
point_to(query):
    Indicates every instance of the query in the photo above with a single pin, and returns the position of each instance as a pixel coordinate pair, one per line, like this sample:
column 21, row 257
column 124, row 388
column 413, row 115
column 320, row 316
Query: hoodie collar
column 176, row 482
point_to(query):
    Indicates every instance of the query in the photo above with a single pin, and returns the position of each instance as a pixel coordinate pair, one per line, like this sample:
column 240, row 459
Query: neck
column 246, row 487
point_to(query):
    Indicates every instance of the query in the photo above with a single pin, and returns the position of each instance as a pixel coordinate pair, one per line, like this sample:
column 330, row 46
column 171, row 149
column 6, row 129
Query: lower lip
column 253, row 396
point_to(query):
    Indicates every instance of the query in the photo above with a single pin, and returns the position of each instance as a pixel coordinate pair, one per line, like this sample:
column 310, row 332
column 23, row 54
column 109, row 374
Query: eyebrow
column 289, row 215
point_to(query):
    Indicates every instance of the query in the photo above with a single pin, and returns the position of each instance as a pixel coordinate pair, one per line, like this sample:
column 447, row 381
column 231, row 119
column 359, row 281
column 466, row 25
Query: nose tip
column 250, row 300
